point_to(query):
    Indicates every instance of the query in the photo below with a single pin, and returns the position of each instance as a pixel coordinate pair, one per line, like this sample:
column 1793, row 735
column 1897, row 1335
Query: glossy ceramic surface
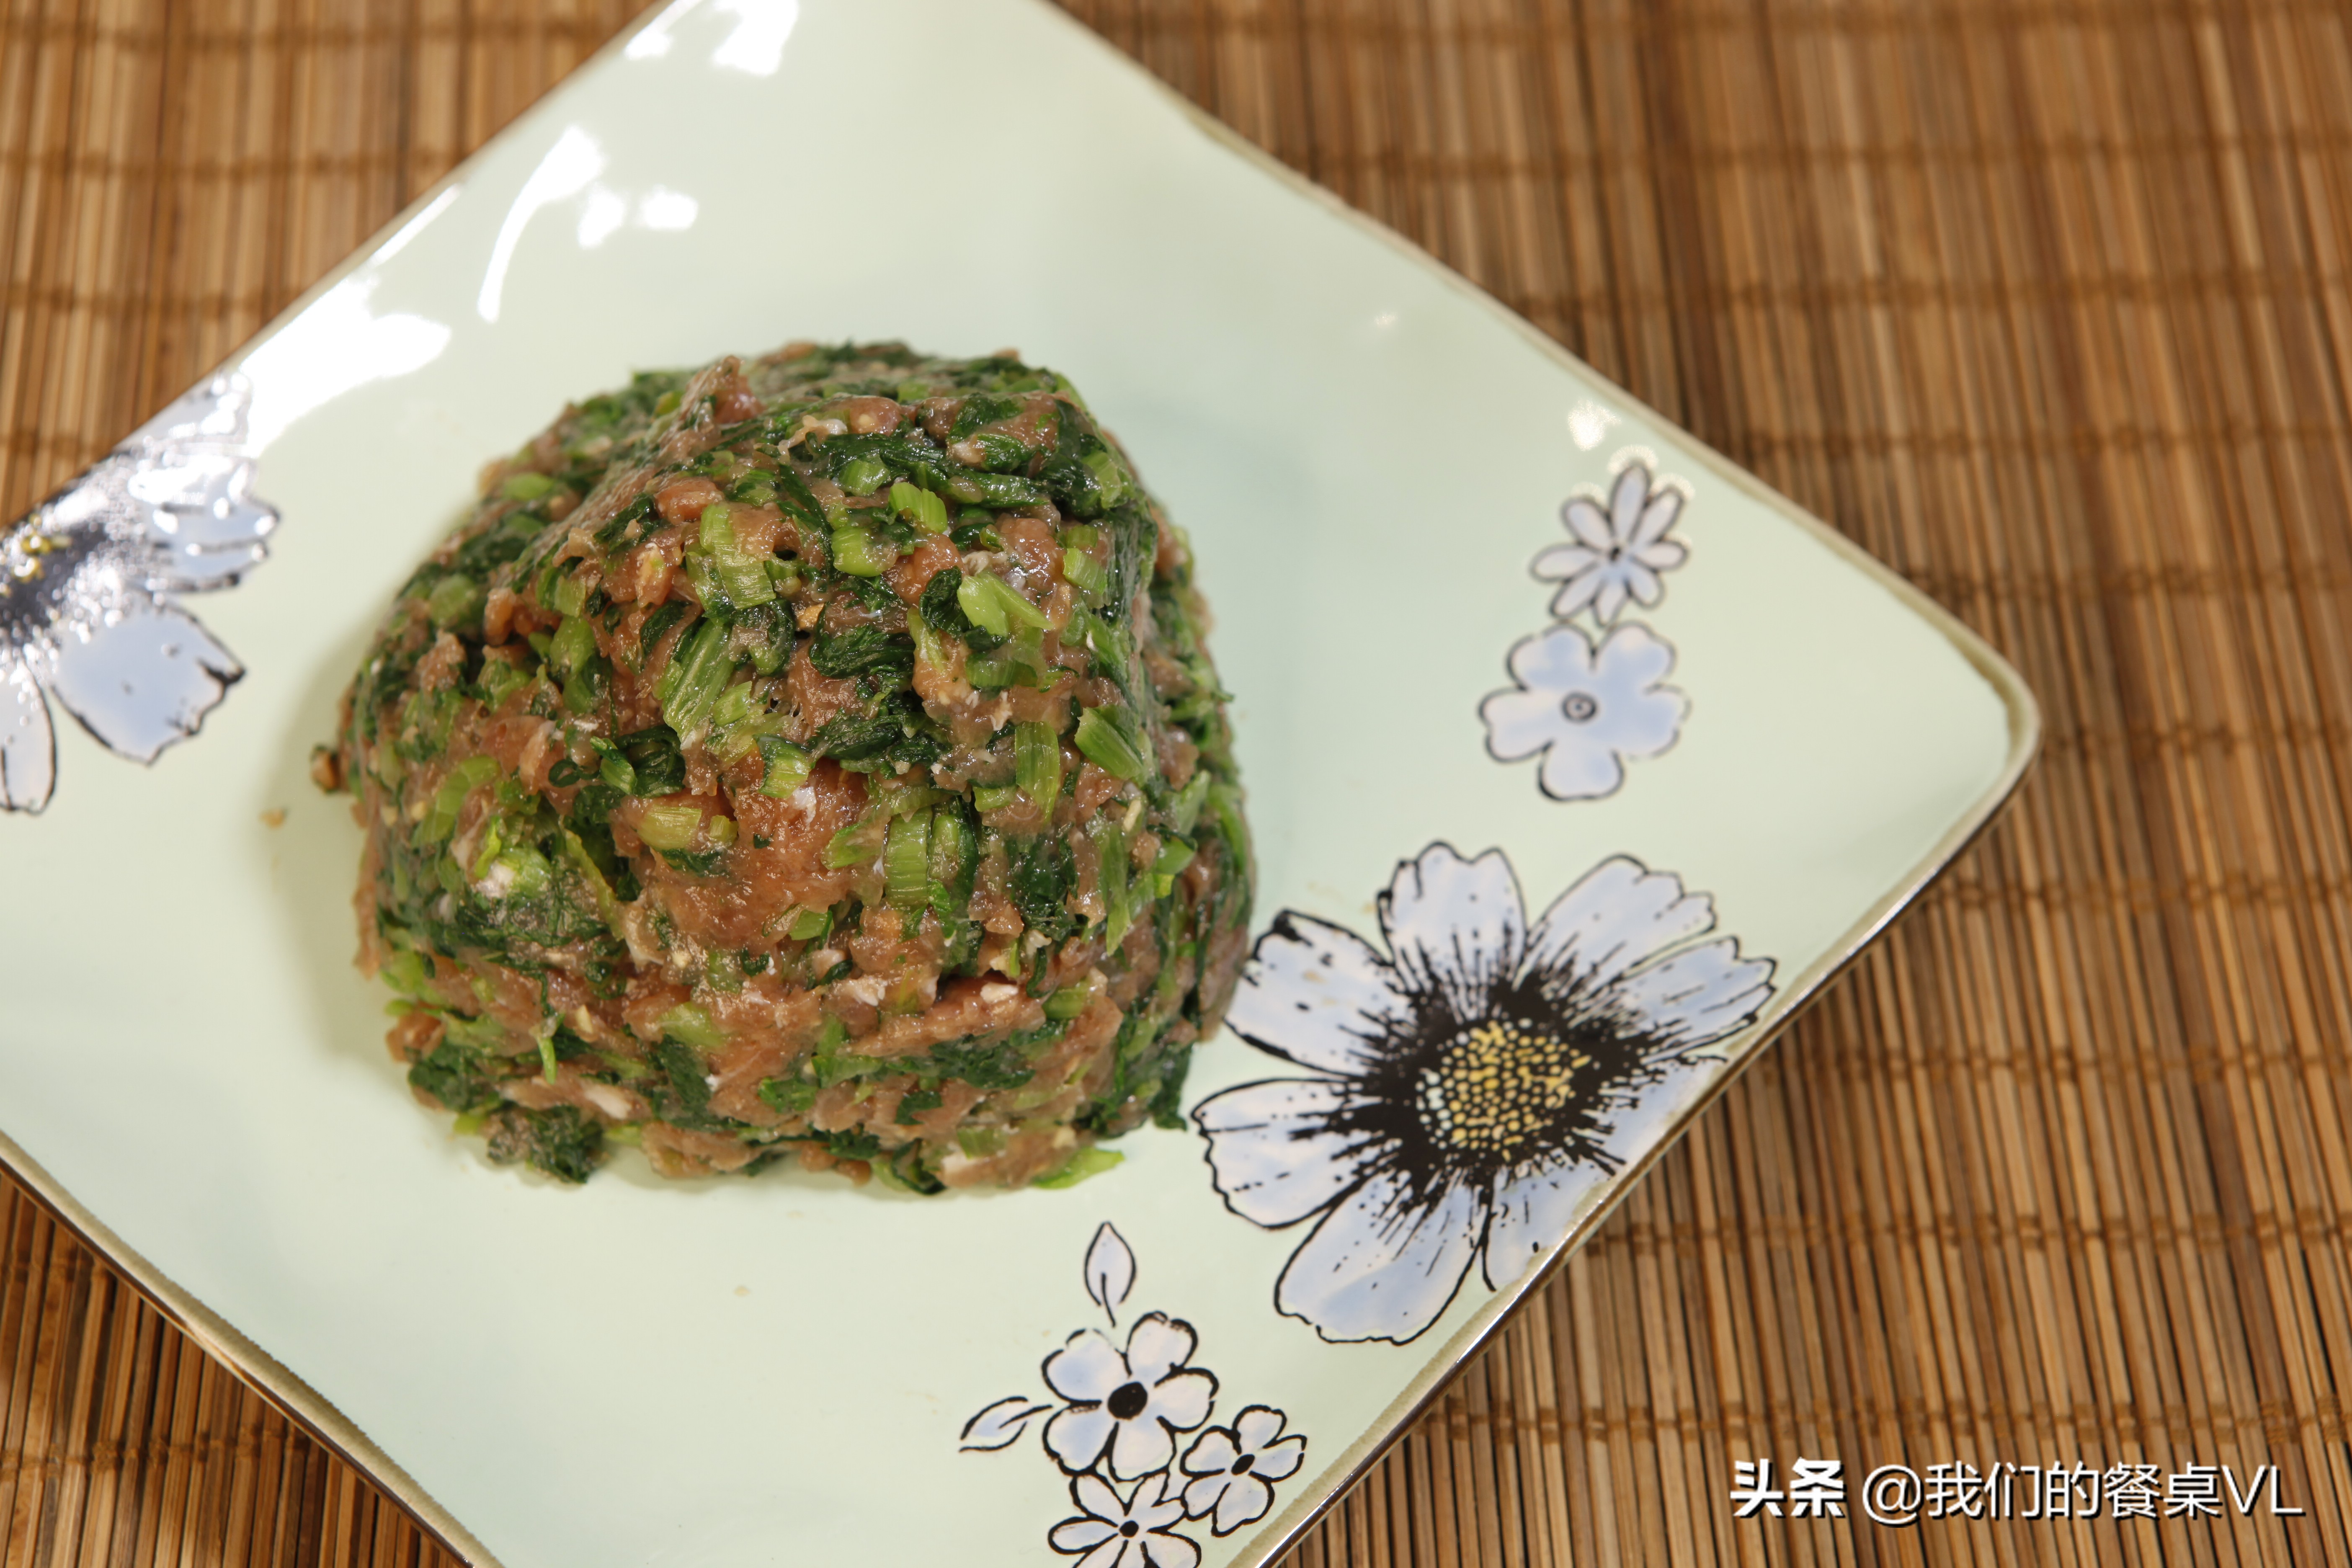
column 1497, row 638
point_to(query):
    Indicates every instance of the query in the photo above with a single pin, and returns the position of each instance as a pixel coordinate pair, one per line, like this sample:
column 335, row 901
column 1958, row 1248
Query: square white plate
column 1369, row 456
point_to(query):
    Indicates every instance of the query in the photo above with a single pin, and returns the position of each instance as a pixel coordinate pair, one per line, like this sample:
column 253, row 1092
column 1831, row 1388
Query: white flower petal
column 1183, row 1401
column 1558, row 661
column 1647, row 723
column 1075, row 1435
column 1663, row 556
column 1380, row 1267
column 1202, row 1496
column 1277, row 1461
column 1078, row 1535
column 1169, row 1550
column 1154, row 1506
column 1640, row 581
column 1095, row 1495
column 1257, row 1427
column 1318, row 995
column 1247, row 1498
column 1531, row 1213
column 1576, row 592
column 1213, row 1453
column 1000, row 1424
column 1565, row 560
column 1694, row 998
column 1631, row 657
column 1116, row 1552
column 1617, row 914
column 1157, row 1346
column 1138, row 1448
column 1609, row 598
column 143, row 679
column 1087, row 1368
column 1658, row 516
column 1521, row 723
column 1585, row 521
column 1580, row 766
column 1274, row 1153
column 1455, row 925
column 1625, row 499
column 29, row 746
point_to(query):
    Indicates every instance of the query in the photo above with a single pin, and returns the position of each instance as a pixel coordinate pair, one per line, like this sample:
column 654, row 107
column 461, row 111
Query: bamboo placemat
column 2047, row 303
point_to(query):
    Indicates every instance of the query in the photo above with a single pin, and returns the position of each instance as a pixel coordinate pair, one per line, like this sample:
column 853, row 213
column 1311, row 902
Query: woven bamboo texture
column 2047, row 302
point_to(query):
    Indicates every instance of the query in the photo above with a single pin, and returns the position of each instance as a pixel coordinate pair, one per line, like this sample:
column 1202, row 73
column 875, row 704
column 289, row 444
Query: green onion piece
column 690, row 1024
column 527, row 486
column 1110, row 476
column 671, row 826
column 607, row 905
column 1110, row 850
column 979, row 1142
column 547, row 1059
column 919, row 507
column 1185, row 809
column 1085, row 1162
column 573, row 644
column 992, row 670
column 1227, row 799
column 1085, row 536
column 788, row 1094
column 953, row 854
column 1068, row 1001
column 984, row 609
column 718, row 528
column 907, row 862
column 1084, row 572
column 1037, row 763
column 928, row 648
column 745, row 578
column 852, row 845
column 1017, row 607
column 615, row 769
column 581, row 692
column 788, row 767
column 809, row 925
column 492, row 842
column 859, row 554
column 1114, row 742
column 453, row 599
column 692, row 684
column 863, row 476
column 1175, row 856
column 569, row 594
column 722, row 831
column 734, row 704
column 994, row 797
column 442, row 819
column 1028, row 648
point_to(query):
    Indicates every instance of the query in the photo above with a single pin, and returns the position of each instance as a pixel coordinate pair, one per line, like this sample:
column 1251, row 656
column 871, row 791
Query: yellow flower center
column 1499, row 1087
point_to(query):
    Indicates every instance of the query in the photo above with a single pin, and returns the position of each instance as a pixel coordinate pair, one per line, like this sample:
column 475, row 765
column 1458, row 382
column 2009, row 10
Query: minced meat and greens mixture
column 813, row 756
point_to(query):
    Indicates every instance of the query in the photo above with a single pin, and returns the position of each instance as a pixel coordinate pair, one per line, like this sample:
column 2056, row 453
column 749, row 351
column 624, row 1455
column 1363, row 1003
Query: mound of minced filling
column 814, row 754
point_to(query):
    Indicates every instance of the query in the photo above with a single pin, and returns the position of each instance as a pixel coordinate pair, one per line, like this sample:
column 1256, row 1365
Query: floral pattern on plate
column 1587, row 706
column 1462, row 1089
column 1115, row 1434
column 86, row 580
column 1618, row 546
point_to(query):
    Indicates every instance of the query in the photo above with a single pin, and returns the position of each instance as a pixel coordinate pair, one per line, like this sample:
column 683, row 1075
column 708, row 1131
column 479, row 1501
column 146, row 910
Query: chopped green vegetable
column 927, row 511
column 1038, row 762
column 1111, row 739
